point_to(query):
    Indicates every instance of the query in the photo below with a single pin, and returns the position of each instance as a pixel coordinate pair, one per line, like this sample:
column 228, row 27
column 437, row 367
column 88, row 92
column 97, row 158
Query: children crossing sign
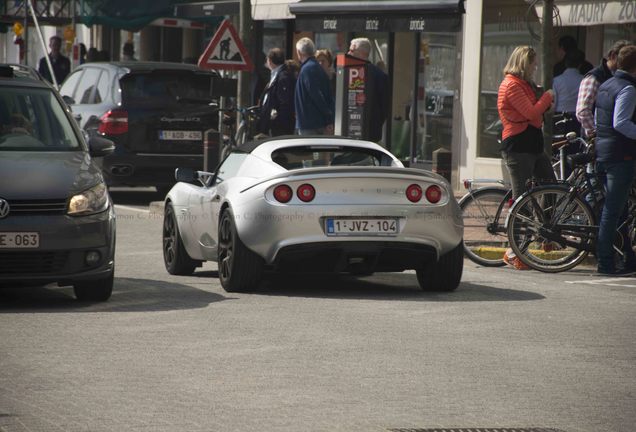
column 226, row 51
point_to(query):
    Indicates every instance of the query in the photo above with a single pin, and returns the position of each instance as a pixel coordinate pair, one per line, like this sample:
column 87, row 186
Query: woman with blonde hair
column 521, row 112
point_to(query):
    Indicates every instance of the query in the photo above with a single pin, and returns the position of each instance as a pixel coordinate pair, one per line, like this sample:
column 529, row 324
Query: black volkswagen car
column 155, row 112
column 57, row 222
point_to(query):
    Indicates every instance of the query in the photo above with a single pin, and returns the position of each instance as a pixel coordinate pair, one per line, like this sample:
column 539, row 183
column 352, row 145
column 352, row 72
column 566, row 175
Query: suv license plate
column 362, row 226
column 180, row 135
column 19, row 240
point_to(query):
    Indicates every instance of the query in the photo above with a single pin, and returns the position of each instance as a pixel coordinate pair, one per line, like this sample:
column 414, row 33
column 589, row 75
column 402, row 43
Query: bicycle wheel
column 551, row 229
column 481, row 210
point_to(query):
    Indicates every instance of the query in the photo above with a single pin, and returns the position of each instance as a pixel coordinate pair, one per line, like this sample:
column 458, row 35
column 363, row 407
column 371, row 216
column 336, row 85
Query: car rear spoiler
column 354, row 171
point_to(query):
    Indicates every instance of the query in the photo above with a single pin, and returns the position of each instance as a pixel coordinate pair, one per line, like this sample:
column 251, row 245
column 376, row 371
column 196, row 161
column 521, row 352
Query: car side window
column 68, row 88
column 103, row 84
column 230, row 167
column 86, row 87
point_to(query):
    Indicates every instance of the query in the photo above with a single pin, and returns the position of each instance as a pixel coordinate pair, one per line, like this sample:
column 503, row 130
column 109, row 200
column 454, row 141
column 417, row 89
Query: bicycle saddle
column 579, row 159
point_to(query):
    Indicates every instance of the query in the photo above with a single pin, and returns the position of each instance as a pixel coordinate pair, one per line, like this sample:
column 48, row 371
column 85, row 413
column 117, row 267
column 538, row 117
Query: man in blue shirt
column 615, row 157
column 313, row 99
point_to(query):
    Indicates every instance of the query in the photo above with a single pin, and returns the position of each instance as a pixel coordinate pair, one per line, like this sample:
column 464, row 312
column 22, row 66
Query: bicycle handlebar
column 571, row 139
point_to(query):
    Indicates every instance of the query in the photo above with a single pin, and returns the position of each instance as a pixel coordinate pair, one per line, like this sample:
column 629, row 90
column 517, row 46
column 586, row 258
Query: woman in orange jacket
column 521, row 113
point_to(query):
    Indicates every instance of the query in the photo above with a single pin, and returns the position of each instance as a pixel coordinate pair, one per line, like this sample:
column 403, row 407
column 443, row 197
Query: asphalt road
column 509, row 350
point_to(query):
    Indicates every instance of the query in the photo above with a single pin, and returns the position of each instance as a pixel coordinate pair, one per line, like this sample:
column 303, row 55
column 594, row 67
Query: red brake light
column 283, row 193
column 414, row 193
column 114, row 122
column 306, row 192
column 433, row 194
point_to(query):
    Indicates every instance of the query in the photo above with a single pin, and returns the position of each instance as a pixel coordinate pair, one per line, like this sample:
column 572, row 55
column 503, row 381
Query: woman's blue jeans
column 618, row 180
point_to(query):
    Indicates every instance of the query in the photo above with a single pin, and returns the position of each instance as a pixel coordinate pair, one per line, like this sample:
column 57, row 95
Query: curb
column 493, row 253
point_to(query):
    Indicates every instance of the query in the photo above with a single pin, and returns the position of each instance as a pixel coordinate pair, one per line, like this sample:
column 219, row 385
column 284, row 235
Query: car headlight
column 91, row 201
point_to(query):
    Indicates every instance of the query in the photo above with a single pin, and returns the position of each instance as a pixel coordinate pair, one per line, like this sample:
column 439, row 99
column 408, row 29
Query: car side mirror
column 99, row 147
column 186, row 175
column 69, row 100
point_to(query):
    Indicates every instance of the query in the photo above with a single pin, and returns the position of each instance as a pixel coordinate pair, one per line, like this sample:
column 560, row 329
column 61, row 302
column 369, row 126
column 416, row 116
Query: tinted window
column 86, row 86
column 33, row 119
column 308, row 157
column 68, row 89
column 165, row 88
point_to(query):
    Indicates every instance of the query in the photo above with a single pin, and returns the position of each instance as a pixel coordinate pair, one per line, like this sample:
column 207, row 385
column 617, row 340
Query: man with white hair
column 379, row 98
column 313, row 99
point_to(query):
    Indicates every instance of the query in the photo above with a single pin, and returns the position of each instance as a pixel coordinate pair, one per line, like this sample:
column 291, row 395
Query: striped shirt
column 585, row 103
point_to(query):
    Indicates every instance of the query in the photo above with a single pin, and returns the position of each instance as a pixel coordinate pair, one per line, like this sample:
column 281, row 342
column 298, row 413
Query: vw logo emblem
column 4, row 208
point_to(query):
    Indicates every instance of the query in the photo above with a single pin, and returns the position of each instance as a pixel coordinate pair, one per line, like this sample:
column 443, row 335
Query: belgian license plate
column 362, row 226
column 180, row 135
column 19, row 240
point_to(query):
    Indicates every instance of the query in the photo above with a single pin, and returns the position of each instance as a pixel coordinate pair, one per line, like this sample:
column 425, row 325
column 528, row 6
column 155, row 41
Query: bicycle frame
column 493, row 227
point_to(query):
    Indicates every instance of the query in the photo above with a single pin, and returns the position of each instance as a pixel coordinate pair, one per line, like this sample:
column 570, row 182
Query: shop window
column 616, row 32
column 437, row 84
column 505, row 26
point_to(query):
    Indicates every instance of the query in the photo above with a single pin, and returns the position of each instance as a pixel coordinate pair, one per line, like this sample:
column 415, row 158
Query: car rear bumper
column 353, row 257
column 61, row 256
column 428, row 231
column 128, row 169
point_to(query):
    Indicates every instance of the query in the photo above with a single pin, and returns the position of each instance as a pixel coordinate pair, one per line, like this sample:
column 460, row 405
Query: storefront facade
column 418, row 44
column 495, row 28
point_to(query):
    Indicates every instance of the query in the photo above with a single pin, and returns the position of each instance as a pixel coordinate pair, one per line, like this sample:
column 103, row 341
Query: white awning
column 271, row 9
column 593, row 12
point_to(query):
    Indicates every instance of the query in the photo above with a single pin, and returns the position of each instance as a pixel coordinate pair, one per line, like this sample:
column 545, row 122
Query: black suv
column 156, row 113
column 57, row 222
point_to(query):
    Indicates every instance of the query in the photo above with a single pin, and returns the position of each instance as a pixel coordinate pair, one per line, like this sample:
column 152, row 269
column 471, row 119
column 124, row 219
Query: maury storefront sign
column 594, row 12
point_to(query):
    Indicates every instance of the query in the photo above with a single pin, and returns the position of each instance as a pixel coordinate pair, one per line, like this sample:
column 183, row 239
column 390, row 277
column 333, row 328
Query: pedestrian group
column 601, row 101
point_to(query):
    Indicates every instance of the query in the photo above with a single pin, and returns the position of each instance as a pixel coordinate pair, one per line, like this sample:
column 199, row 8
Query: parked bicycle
column 484, row 209
column 245, row 131
column 553, row 228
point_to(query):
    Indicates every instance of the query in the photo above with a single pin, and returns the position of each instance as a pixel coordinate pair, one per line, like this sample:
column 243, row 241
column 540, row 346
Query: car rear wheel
column 175, row 257
column 98, row 290
column 445, row 274
column 240, row 269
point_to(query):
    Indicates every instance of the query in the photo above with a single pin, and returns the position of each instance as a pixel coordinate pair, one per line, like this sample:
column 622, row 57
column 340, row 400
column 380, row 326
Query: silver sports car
column 313, row 205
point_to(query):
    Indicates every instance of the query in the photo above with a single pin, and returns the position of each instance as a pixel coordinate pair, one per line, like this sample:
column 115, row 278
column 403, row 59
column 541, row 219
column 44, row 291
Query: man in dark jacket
column 616, row 155
column 361, row 48
column 567, row 45
column 277, row 100
column 61, row 64
column 313, row 99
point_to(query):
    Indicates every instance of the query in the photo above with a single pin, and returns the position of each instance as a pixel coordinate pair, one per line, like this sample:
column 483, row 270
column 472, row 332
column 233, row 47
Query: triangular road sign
column 226, row 51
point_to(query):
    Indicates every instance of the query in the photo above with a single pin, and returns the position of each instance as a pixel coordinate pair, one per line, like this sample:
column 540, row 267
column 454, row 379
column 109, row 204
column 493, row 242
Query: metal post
column 46, row 52
column 547, row 53
column 25, row 36
column 245, row 34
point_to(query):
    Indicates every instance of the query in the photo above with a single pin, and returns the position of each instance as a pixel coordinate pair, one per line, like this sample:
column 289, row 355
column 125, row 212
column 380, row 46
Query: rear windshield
column 32, row 119
column 314, row 156
column 165, row 88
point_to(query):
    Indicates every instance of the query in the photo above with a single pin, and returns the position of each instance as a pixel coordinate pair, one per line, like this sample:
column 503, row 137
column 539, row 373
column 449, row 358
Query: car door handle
column 216, row 198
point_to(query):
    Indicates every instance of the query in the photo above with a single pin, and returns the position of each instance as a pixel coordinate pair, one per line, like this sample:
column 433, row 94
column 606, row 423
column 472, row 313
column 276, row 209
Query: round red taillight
column 414, row 193
column 283, row 193
column 306, row 192
column 433, row 194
